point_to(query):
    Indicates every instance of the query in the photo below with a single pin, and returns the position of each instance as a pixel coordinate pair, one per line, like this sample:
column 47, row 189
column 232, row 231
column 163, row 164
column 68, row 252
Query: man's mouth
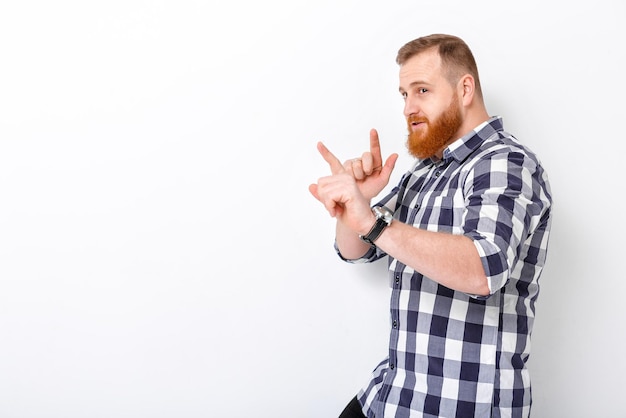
column 417, row 124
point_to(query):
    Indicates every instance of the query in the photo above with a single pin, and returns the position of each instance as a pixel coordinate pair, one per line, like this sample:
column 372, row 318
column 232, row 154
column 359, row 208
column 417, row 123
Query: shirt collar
column 464, row 146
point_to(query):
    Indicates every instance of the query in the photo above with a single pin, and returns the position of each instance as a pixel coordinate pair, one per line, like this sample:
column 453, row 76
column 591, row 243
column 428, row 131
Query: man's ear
column 467, row 89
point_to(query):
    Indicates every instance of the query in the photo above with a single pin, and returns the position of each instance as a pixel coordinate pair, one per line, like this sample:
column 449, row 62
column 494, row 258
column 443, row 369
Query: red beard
column 432, row 137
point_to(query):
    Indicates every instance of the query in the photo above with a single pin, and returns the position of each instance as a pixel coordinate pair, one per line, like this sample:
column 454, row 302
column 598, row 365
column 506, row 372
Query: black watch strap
column 383, row 220
column 375, row 232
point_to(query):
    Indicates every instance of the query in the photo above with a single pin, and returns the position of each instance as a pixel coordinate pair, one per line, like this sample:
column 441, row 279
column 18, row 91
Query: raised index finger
column 334, row 163
column 375, row 150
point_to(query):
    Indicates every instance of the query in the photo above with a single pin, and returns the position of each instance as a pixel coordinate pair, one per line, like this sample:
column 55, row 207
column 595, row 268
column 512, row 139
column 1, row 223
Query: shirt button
column 437, row 173
column 397, row 279
column 395, row 324
column 391, row 366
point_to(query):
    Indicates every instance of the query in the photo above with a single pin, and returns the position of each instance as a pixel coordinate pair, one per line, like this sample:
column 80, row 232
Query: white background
column 160, row 255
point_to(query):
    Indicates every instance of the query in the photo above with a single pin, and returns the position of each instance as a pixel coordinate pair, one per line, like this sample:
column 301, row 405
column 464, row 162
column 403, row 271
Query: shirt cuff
column 369, row 256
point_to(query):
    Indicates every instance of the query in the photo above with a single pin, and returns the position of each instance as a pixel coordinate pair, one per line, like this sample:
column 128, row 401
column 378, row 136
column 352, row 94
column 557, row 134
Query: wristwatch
column 383, row 219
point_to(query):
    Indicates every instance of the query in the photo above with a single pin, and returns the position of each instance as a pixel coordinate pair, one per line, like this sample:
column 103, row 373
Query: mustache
column 416, row 119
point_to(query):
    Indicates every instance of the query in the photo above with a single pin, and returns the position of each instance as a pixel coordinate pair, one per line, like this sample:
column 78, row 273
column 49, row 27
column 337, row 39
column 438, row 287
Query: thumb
column 389, row 166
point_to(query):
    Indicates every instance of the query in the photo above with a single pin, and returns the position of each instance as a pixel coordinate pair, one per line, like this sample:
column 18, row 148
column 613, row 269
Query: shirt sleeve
column 373, row 254
column 504, row 204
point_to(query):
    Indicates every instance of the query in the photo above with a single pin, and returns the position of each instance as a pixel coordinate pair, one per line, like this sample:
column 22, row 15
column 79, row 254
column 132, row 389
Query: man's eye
column 404, row 95
column 422, row 90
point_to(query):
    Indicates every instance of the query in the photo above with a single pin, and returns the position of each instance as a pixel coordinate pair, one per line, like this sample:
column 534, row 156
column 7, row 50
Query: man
column 465, row 232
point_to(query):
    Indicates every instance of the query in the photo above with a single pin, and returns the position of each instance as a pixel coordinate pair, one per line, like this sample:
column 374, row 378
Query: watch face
column 382, row 212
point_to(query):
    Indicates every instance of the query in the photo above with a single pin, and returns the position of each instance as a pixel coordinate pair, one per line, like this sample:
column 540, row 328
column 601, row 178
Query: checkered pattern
column 452, row 354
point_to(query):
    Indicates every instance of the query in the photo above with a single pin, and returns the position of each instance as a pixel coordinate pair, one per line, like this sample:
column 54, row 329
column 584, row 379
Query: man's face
column 428, row 137
column 432, row 108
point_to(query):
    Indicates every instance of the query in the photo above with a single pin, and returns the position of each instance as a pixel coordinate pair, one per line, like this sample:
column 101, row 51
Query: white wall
column 160, row 255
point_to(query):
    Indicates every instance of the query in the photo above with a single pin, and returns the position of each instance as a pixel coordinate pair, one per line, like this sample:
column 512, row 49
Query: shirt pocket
column 442, row 215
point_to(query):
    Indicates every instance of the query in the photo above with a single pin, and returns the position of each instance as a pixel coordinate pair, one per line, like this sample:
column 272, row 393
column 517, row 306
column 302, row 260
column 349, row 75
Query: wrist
column 367, row 225
column 382, row 219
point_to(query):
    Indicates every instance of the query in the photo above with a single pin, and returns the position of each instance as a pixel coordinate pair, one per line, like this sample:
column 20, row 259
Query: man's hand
column 368, row 171
column 347, row 192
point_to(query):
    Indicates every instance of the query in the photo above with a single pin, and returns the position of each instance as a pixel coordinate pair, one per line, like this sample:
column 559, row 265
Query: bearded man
column 465, row 233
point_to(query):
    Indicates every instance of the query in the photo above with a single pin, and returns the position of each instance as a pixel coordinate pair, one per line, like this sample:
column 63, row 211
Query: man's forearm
column 451, row 260
column 350, row 245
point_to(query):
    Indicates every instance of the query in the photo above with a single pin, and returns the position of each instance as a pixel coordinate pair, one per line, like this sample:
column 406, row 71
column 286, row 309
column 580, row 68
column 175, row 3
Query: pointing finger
column 334, row 163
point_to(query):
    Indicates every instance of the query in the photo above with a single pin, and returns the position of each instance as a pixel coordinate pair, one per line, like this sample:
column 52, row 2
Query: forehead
column 425, row 66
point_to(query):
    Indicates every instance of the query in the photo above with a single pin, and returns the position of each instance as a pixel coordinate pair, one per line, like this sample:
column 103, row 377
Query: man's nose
column 410, row 107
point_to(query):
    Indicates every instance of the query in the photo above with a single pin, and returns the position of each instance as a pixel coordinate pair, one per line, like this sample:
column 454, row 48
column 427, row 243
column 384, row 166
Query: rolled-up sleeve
column 504, row 204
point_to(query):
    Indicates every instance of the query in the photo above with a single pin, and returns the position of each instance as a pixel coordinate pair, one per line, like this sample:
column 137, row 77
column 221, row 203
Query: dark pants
column 353, row 410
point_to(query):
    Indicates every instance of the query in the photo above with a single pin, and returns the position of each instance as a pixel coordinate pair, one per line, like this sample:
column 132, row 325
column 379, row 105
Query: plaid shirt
column 452, row 354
